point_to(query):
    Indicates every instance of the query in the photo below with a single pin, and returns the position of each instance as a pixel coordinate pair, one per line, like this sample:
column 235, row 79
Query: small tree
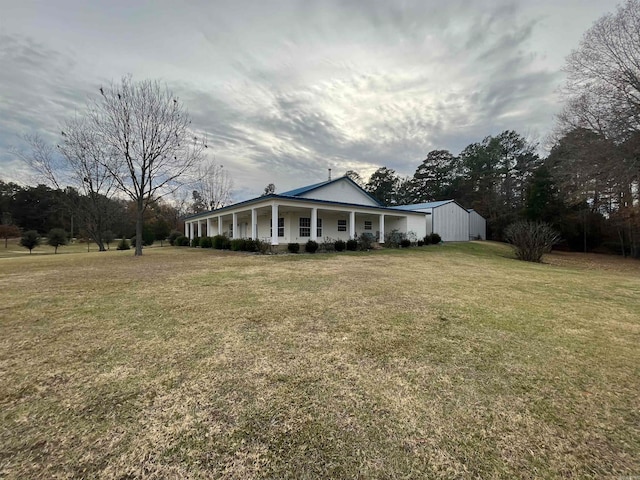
column 30, row 239
column 531, row 239
column 9, row 231
column 56, row 238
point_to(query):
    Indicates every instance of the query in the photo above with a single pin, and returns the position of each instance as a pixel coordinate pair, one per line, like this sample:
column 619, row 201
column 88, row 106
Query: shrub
column 181, row 241
column 220, row 242
column 195, row 242
column 405, row 243
column 365, row 240
column 205, row 242
column 238, row 244
column 30, row 239
column 352, row 245
column 311, row 246
column 293, row 247
column 339, row 245
column 173, row 236
column 123, row 244
column 531, row 239
column 250, row 245
column 56, row 238
column 420, row 243
column 435, row 238
column 327, row 245
column 393, row 239
column 262, row 247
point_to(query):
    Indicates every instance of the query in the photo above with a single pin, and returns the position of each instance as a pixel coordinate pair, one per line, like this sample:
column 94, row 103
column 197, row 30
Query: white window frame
column 305, row 227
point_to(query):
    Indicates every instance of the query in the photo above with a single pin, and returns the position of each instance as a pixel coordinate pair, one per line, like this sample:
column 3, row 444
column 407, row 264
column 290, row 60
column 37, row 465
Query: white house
column 477, row 225
column 447, row 218
column 338, row 209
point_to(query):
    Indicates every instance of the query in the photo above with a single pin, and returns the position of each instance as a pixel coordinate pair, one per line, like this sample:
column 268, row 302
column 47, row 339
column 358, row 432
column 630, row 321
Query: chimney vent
column 329, row 174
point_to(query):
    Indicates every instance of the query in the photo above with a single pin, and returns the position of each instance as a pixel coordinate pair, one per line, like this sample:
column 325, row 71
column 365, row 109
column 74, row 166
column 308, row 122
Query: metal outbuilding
column 448, row 218
column 477, row 226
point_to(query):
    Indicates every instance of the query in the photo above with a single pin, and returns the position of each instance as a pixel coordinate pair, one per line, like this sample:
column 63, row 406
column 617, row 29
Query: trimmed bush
column 205, row 242
column 420, row 243
column 173, row 236
column 405, row 243
column 352, row 245
column 123, row 244
column 311, row 246
column 293, row 247
column 238, row 244
column 435, row 238
column 220, row 242
column 339, row 245
column 181, row 241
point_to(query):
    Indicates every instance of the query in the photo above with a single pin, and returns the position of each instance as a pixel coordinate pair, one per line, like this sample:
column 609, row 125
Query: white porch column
column 199, row 228
column 219, row 224
column 209, row 227
column 352, row 224
column 274, row 224
column 314, row 224
column 186, row 229
column 254, row 224
column 381, row 240
column 234, row 226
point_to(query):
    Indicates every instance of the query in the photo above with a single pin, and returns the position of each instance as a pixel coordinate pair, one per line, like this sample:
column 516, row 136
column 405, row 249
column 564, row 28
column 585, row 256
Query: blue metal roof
column 421, row 206
column 301, row 190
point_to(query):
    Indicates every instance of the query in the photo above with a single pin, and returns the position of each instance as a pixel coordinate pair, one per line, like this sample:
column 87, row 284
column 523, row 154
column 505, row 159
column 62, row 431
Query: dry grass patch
column 452, row 361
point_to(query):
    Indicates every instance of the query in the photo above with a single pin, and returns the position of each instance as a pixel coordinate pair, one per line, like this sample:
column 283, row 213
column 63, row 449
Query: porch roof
column 275, row 196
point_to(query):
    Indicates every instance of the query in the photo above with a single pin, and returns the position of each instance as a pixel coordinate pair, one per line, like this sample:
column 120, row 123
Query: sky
column 285, row 89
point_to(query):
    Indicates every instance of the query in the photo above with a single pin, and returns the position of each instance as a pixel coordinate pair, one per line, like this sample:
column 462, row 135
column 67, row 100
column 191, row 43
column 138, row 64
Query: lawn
column 452, row 361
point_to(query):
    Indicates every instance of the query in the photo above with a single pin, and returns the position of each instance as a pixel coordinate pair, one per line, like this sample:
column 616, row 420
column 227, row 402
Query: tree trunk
column 139, row 223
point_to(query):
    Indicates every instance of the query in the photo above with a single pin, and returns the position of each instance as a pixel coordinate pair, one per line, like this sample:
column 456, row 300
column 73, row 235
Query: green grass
column 436, row 362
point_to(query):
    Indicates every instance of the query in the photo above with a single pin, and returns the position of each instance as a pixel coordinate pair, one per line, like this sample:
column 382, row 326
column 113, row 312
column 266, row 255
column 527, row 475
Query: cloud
column 284, row 90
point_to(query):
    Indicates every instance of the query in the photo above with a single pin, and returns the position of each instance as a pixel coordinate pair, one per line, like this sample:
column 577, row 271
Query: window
column 368, row 225
column 319, row 228
column 305, row 227
column 231, row 230
column 280, row 228
column 342, row 225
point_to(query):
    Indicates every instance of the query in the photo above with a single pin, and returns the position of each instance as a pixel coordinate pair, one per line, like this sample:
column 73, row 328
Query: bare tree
column 146, row 131
column 603, row 87
column 76, row 167
column 213, row 184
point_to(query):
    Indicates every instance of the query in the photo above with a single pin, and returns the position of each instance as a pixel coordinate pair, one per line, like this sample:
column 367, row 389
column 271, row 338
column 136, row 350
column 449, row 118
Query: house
column 447, row 218
column 477, row 226
column 337, row 209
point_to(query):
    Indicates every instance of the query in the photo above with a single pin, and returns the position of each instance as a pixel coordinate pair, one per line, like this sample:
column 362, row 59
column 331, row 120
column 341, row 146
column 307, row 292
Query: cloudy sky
column 286, row 89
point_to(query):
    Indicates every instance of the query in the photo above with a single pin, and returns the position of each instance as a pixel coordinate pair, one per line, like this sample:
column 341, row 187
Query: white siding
column 417, row 224
column 341, row 191
column 451, row 222
column 477, row 226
